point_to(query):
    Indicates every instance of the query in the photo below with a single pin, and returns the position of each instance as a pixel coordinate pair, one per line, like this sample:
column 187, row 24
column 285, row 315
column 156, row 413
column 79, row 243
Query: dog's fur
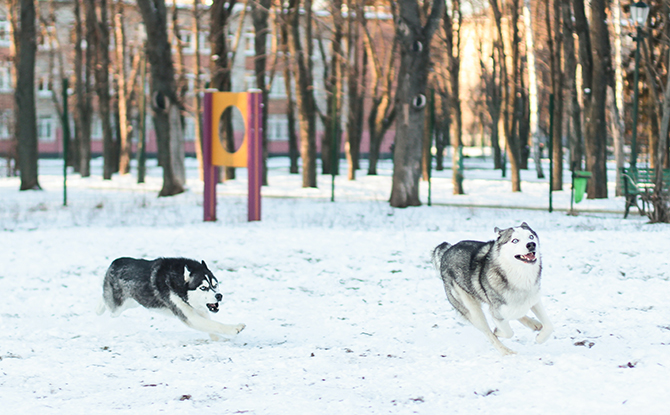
column 180, row 286
column 504, row 274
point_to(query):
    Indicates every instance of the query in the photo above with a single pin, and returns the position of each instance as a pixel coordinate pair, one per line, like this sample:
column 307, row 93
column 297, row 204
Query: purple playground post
column 255, row 155
column 209, row 170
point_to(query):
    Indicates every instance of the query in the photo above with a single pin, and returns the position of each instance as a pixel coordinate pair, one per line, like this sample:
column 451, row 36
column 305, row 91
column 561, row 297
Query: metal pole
column 141, row 151
column 335, row 149
column 551, row 153
column 66, row 138
column 431, row 131
column 633, row 140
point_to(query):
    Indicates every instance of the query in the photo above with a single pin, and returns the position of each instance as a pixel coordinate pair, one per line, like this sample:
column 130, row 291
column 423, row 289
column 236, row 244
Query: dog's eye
column 531, row 237
column 515, row 240
column 204, row 288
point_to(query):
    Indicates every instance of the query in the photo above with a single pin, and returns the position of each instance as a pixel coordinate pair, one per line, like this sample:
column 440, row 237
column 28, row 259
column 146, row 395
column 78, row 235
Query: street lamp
column 638, row 12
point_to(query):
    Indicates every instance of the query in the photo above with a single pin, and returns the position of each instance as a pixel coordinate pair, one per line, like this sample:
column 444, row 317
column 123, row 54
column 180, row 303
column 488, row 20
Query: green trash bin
column 579, row 179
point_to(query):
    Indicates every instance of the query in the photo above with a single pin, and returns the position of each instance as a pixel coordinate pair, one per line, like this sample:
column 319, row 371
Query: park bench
column 641, row 182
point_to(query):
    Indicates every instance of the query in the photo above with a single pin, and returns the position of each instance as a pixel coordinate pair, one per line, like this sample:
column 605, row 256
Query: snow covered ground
column 344, row 312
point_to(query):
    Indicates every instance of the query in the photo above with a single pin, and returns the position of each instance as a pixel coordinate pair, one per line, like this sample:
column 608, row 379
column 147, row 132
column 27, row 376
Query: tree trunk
column 356, row 86
column 382, row 109
column 120, row 41
column 166, row 111
column 443, row 129
column 532, row 90
column 197, row 87
column 304, row 87
column 24, row 95
column 617, row 121
column 414, row 39
column 333, row 87
column 575, row 138
column 596, row 137
column 293, row 153
column 452, row 29
column 555, row 47
column 510, row 85
column 220, row 12
column 259, row 14
column 659, row 200
column 97, row 10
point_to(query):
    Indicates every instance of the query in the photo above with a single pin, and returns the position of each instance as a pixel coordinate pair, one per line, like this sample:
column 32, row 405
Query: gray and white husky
column 504, row 274
column 180, row 286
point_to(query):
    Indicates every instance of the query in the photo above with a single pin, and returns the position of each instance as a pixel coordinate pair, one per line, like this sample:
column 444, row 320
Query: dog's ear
column 497, row 230
column 525, row 225
column 203, row 263
column 187, row 274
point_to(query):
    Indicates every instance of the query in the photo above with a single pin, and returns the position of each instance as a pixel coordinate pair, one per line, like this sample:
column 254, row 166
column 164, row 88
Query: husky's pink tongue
column 529, row 256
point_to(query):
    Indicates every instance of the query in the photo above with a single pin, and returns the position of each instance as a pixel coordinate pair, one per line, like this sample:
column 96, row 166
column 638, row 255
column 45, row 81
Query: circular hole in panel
column 231, row 129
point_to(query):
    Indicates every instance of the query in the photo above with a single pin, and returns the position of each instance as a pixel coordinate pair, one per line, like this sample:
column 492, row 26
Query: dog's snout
column 531, row 246
column 219, row 297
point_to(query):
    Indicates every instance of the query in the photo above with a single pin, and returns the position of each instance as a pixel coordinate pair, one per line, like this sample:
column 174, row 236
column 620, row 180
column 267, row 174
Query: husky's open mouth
column 529, row 258
column 213, row 307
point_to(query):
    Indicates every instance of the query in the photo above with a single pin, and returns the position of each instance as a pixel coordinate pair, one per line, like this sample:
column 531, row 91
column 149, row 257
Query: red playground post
column 249, row 155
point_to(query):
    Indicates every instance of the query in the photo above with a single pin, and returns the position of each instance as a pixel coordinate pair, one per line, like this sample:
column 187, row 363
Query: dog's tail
column 439, row 250
column 100, row 309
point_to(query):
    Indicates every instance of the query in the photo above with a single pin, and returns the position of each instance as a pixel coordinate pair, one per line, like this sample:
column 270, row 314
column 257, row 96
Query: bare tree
column 23, row 19
column 83, row 74
column 302, row 58
column 220, row 13
column 122, row 87
column 260, row 11
column 575, row 110
column 97, row 20
column 197, row 87
column 356, row 75
column 333, row 77
column 452, row 30
column 164, row 102
column 596, row 125
column 283, row 25
column 414, row 38
column 555, row 45
column 382, row 78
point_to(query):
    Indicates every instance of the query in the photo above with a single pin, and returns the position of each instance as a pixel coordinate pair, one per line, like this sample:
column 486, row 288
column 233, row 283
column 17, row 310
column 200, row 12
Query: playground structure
column 249, row 154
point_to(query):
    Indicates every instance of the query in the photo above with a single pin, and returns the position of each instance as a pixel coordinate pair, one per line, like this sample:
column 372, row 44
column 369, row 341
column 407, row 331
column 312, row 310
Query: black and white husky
column 504, row 274
column 183, row 287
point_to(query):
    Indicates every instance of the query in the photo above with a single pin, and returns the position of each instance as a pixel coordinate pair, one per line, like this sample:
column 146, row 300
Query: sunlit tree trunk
column 302, row 59
column 411, row 98
column 259, row 15
column 164, row 102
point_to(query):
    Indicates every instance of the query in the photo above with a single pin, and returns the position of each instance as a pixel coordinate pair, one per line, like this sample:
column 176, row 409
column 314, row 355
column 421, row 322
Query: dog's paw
column 504, row 334
column 544, row 334
column 531, row 323
column 214, row 337
column 504, row 351
column 239, row 328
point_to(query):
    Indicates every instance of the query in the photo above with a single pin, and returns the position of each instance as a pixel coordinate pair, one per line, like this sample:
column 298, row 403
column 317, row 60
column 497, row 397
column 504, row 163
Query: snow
column 344, row 312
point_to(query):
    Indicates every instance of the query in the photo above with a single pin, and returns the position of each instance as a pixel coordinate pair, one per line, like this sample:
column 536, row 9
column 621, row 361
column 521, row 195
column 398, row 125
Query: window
column 44, row 86
column 5, row 32
column 278, row 87
column 189, row 129
column 249, row 43
column 45, row 131
column 5, row 79
column 6, row 122
column 187, row 42
column 277, row 128
column 204, row 43
column 96, row 128
column 249, row 80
